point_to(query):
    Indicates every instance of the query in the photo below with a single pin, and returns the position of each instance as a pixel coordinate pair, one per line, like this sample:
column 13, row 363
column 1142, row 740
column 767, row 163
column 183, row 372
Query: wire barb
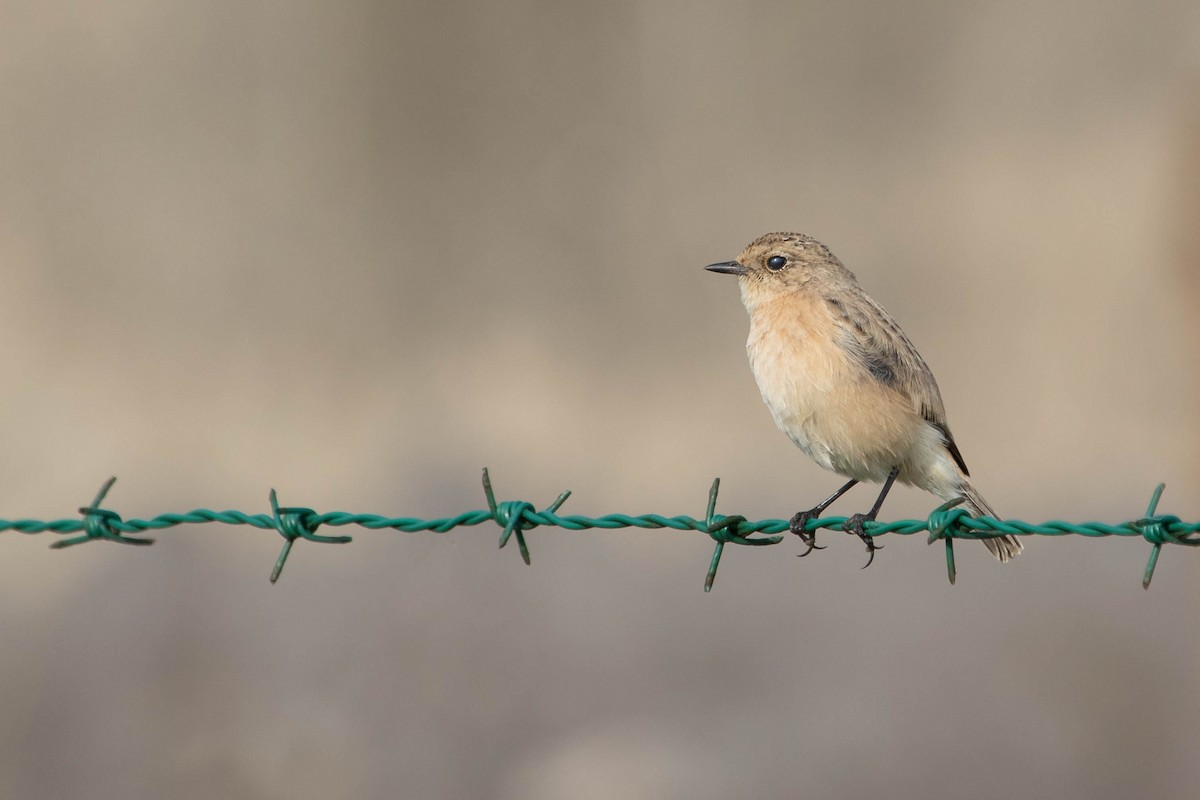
column 516, row 516
column 99, row 523
column 296, row 523
column 725, row 530
column 942, row 521
column 1156, row 529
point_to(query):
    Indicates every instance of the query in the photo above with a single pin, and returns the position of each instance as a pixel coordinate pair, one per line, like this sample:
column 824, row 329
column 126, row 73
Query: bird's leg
column 800, row 520
column 855, row 523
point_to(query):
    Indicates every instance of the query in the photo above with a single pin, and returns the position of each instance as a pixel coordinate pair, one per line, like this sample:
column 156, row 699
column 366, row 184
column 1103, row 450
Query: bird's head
column 781, row 263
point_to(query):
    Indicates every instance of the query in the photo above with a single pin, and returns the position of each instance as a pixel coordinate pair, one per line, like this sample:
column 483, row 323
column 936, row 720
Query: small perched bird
column 844, row 382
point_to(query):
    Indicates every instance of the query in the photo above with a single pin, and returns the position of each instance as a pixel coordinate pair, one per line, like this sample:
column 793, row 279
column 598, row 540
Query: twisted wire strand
column 518, row 517
column 969, row 528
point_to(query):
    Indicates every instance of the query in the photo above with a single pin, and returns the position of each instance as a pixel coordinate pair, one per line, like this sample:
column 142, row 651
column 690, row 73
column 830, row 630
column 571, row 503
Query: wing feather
column 870, row 335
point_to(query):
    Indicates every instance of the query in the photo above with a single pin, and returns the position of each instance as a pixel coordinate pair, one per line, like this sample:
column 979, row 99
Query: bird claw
column 855, row 525
column 797, row 526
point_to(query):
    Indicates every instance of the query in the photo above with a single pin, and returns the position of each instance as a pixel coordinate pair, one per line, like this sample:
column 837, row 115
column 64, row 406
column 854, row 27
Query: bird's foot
column 855, row 525
column 797, row 526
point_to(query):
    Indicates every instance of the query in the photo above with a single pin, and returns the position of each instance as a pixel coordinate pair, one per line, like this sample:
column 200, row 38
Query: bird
column 845, row 384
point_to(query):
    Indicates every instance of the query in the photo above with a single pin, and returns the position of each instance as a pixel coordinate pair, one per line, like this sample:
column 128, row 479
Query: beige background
column 356, row 251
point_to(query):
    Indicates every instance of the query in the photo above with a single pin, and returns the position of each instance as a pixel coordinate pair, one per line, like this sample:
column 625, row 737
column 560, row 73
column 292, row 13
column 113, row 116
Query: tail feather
column 1003, row 547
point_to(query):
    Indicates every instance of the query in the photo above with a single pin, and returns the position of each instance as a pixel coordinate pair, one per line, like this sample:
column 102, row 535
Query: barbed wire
column 947, row 522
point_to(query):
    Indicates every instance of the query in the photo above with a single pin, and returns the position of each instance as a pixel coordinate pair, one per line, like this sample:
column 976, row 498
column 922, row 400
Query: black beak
column 728, row 267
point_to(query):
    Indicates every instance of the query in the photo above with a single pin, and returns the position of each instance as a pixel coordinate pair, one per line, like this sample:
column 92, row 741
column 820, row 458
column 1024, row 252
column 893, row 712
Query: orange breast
column 821, row 397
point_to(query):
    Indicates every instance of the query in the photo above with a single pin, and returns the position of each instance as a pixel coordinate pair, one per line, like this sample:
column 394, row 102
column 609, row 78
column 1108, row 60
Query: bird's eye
column 776, row 263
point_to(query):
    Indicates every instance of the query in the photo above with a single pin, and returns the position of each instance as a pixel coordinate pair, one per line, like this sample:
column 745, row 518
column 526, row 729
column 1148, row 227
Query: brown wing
column 870, row 335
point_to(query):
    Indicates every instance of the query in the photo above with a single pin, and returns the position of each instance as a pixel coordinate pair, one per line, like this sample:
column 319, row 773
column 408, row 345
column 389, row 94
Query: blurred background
column 357, row 251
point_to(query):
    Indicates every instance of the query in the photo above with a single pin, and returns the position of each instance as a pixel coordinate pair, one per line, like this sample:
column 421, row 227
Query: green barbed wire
column 947, row 522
